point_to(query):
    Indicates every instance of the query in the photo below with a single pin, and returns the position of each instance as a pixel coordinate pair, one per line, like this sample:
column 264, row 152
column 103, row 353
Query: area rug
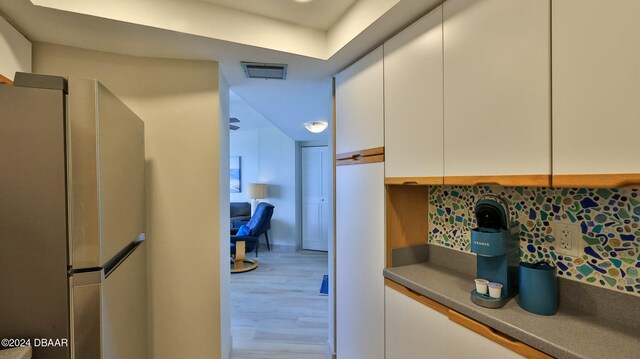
column 324, row 287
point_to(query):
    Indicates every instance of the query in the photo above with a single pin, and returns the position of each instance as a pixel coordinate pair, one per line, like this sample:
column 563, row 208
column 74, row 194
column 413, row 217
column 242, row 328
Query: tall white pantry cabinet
column 360, row 210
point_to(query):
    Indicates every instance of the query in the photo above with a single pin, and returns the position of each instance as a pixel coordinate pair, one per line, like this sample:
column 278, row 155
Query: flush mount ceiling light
column 315, row 126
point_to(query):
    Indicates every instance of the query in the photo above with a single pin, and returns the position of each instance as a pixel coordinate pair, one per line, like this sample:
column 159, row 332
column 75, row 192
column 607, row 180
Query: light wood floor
column 276, row 312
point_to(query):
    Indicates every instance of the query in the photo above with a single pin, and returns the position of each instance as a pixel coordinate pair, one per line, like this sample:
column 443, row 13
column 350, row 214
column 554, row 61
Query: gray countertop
column 568, row 334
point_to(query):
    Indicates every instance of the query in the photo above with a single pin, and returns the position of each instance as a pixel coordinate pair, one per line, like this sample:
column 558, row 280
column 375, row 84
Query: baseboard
column 330, row 353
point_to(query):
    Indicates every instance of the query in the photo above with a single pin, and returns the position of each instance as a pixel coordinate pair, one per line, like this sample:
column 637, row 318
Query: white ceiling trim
column 359, row 17
column 203, row 19
column 227, row 24
column 318, row 14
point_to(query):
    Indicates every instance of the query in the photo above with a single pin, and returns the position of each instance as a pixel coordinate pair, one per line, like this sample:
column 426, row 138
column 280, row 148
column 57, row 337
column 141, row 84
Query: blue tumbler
column 538, row 288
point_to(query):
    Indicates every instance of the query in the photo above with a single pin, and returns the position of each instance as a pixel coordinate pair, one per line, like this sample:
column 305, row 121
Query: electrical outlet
column 567, row 239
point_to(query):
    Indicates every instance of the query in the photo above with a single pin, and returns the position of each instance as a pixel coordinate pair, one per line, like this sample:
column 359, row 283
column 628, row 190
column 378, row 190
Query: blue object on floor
column 324, row 288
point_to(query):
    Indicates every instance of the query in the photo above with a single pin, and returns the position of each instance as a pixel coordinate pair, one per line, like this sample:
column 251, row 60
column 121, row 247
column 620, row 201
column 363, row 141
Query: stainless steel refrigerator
column 72, row 220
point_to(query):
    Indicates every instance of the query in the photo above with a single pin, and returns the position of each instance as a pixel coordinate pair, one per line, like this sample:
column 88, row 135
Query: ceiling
column 248, row 116
column 199, row 30
column 318, row 14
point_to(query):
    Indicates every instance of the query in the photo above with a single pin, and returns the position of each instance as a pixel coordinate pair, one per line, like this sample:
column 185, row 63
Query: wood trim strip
column 501, row 180
column 417, row 297
column 420, row 181
column 360, row 160
column 361, row 153
column 618, row 180
column 4, row 80
column 495, row 336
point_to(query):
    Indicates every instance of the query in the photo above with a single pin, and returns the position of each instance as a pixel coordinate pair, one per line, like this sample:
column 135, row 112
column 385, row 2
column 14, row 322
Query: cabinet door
column 596, row 86
column 464, row 343
column 497, row 87
column 360, row 261
column 413, row 100
column 359, row 105
column 413, row 330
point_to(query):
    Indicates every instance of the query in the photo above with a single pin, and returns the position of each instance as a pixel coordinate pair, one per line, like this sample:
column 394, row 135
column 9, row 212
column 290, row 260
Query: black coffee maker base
column 486, row 301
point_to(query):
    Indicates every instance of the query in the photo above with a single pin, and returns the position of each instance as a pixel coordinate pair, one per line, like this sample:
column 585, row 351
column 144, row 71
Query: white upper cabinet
column 413, row 100
column 497, row 87
column 359, row 105
column 596, row 86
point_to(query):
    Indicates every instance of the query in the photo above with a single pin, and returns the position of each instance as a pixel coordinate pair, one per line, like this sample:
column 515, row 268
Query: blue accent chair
column 251, row 232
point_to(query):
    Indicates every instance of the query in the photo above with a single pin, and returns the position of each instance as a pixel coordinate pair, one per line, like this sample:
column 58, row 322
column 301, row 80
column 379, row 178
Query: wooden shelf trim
column 370, row 155
column 500, row 180
column 618, row 180
column 471, row 324
column 4, row 80
column 420, row 181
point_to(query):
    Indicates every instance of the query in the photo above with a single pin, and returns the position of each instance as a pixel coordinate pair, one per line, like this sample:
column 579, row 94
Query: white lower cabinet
column 415, row 331
column 464, row 343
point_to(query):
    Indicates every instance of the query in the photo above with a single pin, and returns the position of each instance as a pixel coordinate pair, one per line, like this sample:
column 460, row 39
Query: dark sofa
column 240, row 212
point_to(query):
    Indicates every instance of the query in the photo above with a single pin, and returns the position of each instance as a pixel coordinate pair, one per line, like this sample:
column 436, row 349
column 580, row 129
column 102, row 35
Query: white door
column 315, row 182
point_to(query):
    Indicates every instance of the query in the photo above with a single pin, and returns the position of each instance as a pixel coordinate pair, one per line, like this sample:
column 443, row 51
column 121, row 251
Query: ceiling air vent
column 257, row 70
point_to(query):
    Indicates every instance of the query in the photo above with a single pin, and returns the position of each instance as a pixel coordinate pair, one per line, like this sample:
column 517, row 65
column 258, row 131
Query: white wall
column 15, row 51
column 186, row 141
column 269, row 156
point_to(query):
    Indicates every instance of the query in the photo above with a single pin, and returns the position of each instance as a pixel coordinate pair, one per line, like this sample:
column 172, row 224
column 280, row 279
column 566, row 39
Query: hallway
column 276, row 312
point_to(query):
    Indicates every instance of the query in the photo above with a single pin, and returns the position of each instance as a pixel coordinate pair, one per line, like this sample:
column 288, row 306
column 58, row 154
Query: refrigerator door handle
column 113, row 263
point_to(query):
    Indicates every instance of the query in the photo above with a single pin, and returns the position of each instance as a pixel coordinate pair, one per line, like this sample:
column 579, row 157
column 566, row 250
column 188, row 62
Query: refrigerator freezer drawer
column 110, row 314
column 86, row 313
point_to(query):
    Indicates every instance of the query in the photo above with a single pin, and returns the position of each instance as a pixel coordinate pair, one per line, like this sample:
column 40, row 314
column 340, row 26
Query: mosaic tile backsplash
column 609, row 220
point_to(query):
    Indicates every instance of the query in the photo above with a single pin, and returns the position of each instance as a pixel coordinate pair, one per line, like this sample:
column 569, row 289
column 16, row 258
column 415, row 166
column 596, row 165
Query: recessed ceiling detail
column 256, row 70
column 319, row 14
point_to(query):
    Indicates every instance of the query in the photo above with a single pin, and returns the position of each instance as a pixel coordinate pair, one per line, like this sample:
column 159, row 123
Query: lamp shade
column 257, row 190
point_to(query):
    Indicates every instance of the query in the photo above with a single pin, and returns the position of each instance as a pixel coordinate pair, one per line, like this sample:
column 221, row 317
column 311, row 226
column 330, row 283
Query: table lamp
column 256, row 191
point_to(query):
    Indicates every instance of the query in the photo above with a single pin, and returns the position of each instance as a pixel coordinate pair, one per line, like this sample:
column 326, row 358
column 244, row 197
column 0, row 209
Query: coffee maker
column 497, row 245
